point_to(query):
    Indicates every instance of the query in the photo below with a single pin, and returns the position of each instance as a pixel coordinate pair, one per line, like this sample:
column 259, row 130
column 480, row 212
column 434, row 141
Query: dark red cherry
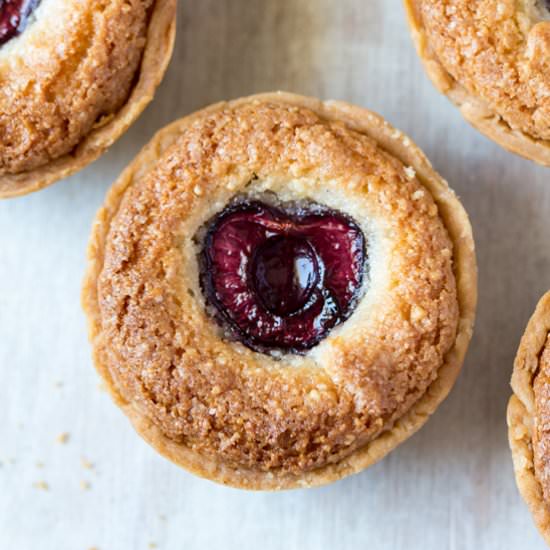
column 14, row 15
column 282, row 278
column 285, row 272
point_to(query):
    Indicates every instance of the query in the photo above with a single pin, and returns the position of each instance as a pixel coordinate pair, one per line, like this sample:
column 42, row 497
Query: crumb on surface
column 41, row 485
column 86, row 463
column 63, row 438
column 85, row 485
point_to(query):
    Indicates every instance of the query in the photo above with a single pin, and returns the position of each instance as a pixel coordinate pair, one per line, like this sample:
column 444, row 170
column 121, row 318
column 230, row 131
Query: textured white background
column 450, row 486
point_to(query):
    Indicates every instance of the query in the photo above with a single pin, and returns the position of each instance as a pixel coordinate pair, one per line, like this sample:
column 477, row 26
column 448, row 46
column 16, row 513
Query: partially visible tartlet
column 529, row 416
column 280, row 291
column 492, row 59
column 74, row 75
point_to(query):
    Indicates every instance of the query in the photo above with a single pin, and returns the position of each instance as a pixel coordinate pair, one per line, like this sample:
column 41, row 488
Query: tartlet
column 224, row 362
column 529, row 415
column 75, row 75
column 491, row 58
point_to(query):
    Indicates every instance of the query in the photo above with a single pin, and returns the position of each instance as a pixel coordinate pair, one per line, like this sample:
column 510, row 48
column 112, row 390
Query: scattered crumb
column 93, row 548
column 42, row 485
column 86, row 464
column 102, row 386
column 84, row 485
column 11, row 460
column 40, row 465
column 162, row 517
column 20, row 425
column 58, row 384
column 152, row 545
column 62, row 438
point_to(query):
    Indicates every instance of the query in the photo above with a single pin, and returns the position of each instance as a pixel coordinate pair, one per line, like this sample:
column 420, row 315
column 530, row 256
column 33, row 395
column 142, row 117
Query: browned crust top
column 203, row 400
column 491, row 57
column 67, row 97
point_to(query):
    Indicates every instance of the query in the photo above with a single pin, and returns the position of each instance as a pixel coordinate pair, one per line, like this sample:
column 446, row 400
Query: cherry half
column 280, row 278
column 14, row 15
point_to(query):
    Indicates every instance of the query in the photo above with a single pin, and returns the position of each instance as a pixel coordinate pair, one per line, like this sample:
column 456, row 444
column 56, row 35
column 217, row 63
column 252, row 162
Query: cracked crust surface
column 240, row 417
column 492, row 59
column 74, row 81
column 529, row 416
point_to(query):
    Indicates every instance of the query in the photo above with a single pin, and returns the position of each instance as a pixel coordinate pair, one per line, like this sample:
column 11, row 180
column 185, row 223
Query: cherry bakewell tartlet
column 280, row 291
column 492, row 59
column 529, row 416
column 74, row 75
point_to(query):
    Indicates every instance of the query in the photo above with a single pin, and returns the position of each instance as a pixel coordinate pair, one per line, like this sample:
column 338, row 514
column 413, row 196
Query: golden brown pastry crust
column 492, row 59
column 528, row 412
column 341, row 450
column 43, row 141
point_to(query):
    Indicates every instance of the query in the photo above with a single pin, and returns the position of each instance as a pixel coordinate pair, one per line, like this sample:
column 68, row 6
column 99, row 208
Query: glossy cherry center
column 280, row 278
column 286, row 271
column 14, row 15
